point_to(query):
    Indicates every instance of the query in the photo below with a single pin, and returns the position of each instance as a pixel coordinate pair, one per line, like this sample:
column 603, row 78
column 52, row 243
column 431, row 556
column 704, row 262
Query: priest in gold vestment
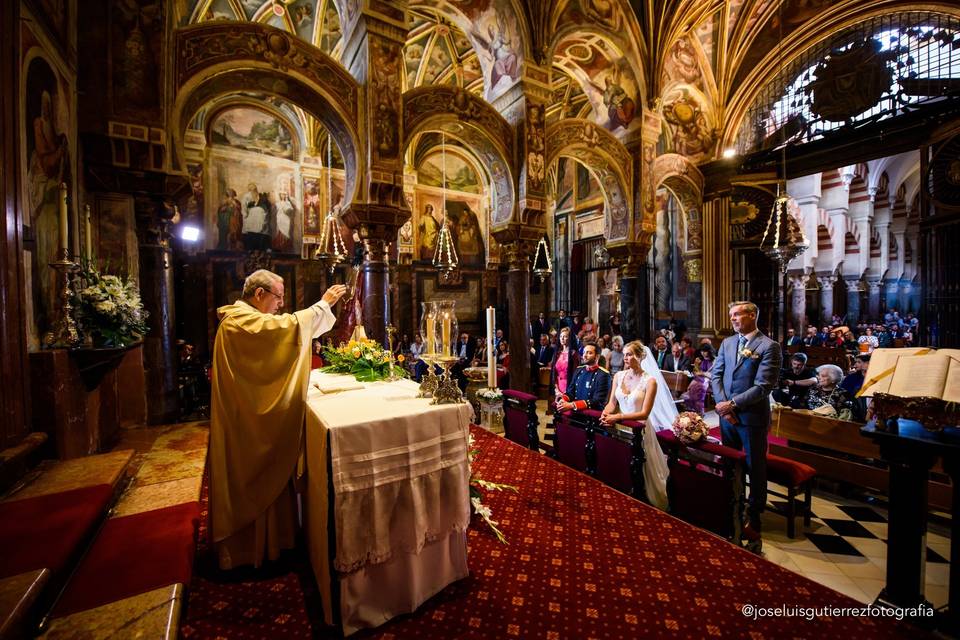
column 261, row 368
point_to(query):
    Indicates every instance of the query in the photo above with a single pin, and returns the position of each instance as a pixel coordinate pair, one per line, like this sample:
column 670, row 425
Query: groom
column 745, row 372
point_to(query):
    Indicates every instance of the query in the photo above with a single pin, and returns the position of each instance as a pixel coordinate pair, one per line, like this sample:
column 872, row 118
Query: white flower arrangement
column 490, row 395
column 110, row 309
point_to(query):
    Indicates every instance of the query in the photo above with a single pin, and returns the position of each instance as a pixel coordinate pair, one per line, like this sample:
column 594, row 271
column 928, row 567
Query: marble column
column 156, row 292
column 873, row 301
column 891, row 298
column 376, row 289
column 798, row 302
column 826, row 299
column 853, row 302
column 518, row 255
column 717, row 265
column 633, row 275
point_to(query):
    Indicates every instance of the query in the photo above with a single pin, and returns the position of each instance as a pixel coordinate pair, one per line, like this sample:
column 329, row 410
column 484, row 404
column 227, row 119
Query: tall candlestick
column 445, row 333
column 88, row 236
column 491, row 356
column 63, row 216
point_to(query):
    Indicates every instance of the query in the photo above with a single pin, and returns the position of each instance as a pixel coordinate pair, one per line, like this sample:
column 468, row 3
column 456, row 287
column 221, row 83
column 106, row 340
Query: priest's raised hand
column 261, row 367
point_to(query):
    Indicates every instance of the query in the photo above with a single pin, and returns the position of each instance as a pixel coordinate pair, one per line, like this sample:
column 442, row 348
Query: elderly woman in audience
column 697, row 391
column 615, row 361
column 828, row 398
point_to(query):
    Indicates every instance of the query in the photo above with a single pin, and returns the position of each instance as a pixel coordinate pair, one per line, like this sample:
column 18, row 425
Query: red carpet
column 584, row 561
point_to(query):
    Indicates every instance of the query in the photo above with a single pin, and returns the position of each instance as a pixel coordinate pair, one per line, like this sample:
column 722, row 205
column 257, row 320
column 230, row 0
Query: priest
column 261, row 366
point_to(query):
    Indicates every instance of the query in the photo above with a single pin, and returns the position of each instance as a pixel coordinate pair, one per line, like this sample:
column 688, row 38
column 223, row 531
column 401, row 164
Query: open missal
column 913, row 373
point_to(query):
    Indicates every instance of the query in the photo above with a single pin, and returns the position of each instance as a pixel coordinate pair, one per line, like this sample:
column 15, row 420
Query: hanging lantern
column 542, row 265
column 331, row 251
column 783, row 239
column 445, row 257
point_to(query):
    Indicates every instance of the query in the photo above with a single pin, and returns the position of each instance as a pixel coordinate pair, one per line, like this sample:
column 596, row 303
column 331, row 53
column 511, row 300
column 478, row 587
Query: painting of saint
column 285, row 215
column 428, row 227
column 48, row 164
column 620, row 106
column 311, row 206
column 467, row 235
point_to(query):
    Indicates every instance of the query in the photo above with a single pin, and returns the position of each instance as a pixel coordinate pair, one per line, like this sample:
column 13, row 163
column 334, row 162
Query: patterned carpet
column 584, row 561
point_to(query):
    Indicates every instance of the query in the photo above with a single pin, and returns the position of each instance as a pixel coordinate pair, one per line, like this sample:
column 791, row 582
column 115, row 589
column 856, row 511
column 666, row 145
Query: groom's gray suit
column 747, row 380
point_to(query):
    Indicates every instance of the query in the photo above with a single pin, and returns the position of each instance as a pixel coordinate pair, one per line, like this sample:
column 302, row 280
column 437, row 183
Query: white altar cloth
column 399, row 484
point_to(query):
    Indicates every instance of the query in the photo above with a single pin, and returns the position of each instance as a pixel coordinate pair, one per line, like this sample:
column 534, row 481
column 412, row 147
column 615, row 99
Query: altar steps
column 125, row 576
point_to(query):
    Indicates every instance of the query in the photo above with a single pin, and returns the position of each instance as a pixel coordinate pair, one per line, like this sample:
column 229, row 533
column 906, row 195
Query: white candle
column 491, row 356
column 88, row 234
column 431, row 334
column 445, row 346
column 63, row 217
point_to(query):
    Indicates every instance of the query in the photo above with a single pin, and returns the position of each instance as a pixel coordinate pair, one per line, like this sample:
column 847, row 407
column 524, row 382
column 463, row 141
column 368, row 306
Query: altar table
column 396, row 469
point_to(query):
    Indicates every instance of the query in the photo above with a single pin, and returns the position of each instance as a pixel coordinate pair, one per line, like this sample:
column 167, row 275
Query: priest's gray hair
column 748, row 306
column 261, row 278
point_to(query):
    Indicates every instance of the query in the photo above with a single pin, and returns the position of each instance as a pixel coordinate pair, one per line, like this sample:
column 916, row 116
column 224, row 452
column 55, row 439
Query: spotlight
column 729, row 152
column 190, row 234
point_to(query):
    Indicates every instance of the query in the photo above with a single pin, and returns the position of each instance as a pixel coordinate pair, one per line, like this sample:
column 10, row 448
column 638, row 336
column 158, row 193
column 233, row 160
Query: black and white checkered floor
column 845, row 546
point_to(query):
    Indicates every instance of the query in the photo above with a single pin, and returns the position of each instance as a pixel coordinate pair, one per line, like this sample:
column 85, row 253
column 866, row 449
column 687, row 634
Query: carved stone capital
column 373, row 221
column 853, row 285
column 518, row 254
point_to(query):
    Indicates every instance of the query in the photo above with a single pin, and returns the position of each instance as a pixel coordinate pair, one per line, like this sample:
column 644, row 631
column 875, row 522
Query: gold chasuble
column 261, row 368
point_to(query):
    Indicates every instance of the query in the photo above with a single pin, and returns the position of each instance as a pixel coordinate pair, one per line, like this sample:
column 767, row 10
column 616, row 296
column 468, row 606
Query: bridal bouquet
column 365, row 359
column 690, row 427
column 476, row 485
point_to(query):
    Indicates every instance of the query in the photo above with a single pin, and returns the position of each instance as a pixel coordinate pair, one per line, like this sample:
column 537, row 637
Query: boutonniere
column 748, row 353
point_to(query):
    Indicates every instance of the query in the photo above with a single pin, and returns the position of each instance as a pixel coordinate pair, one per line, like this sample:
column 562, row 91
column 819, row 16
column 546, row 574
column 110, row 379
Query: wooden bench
column 677, row 382
column 838, row 451
column 520, row 418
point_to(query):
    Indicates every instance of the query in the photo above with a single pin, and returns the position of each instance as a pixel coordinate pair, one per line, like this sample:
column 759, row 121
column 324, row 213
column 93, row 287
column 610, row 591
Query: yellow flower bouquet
column 366, row 360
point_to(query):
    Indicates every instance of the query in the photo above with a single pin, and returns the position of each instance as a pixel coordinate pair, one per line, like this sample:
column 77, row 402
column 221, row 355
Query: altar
column 386, row 504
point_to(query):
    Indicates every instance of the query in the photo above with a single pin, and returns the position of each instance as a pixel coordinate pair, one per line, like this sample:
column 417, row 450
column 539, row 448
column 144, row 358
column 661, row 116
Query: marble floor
column 844, row 547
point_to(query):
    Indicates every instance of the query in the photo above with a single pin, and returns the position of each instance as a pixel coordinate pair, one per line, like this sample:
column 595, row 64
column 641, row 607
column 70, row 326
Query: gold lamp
column 445, row 256
column 331, row 251
column 542, row 264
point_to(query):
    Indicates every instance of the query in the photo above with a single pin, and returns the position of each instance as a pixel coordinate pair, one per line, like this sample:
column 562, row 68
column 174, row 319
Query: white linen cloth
column 400, row 480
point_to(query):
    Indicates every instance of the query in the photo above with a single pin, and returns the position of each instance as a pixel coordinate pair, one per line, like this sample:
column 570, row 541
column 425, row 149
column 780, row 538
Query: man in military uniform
column 589, row 386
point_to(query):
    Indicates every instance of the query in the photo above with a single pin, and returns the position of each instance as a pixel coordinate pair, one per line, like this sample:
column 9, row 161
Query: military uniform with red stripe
column 589, row 388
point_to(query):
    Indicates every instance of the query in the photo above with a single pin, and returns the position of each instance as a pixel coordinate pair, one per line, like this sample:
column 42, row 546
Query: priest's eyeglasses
column 278, row 295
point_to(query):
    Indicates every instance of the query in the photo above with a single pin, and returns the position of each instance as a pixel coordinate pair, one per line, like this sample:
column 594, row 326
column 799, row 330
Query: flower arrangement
column 365, row 359
column 690, row 427
column 109, row 308
column 477, row 485
column 490, row 395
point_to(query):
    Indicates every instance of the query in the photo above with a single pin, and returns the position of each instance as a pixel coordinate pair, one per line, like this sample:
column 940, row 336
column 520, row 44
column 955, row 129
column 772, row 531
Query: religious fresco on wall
column 253, row 130
column 491, row 26
column 315, row 202
column 47, row 162
column 606, row 78
column 566, row 168
column 136, row 58
column 385, row 61
column 57, row 14
column 691, row 126
column 460, row 174
column 463, row 219
column 253, row 203
column 682, row 65
column 588, row 189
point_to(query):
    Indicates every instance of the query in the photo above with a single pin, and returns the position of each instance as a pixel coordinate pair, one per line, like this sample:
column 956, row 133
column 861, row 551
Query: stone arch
column 214, row 59
column 609, row 162
column 477, row 125
column 678, row 174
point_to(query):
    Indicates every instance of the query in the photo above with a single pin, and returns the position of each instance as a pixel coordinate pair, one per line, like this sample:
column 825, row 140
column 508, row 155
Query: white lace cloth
column 399, row 469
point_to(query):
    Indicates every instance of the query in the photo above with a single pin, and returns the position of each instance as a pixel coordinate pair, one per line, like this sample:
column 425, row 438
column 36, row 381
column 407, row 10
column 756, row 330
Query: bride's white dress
column 655, row 469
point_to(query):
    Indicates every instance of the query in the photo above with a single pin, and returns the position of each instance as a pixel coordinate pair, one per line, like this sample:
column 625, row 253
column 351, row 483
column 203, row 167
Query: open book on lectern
column 914, row 372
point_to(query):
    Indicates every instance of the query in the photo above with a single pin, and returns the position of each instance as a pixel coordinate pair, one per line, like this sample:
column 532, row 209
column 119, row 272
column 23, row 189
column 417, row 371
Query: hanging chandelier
column 445, row 256
column 331, row 251
column 783, row 239
column 542, row 265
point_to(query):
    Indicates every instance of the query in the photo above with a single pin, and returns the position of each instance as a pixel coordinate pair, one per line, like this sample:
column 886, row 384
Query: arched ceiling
column 438, row 52
column 314, row 21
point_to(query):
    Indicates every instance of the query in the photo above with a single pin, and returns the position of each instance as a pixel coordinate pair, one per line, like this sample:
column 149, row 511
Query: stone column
column 873, row 302
column 373, row 52
column 156, row 292
column 717, row 266
column 853, row 302
column 826, row 298
column 633, row 275
column 798, row 301
column 518, row 255
column 891, row 299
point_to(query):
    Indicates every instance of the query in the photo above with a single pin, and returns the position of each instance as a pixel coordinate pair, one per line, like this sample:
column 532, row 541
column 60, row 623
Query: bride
column 639, row 392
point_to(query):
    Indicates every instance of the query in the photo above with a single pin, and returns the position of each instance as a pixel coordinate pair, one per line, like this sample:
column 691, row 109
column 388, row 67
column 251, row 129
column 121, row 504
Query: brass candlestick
column 430, row 382
column 63, row 333
column 448, row 392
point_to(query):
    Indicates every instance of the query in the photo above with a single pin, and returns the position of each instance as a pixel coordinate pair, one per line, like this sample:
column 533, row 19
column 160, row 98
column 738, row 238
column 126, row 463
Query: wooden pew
column 677, row 382
column 817, row 356
column 847, row 456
